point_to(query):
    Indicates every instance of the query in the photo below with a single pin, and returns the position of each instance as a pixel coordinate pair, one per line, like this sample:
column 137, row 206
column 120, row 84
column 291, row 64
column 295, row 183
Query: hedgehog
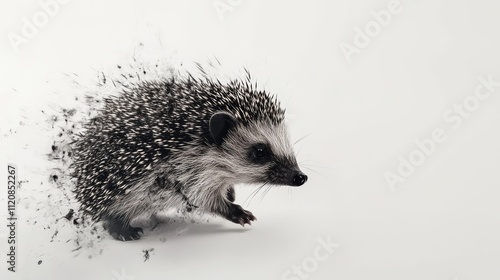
column 180, row 143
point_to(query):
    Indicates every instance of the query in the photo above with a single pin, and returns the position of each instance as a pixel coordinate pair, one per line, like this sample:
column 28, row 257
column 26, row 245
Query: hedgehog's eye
column 259, row 153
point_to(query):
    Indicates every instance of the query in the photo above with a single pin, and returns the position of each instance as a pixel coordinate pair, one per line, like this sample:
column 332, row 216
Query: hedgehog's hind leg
column 120, row 228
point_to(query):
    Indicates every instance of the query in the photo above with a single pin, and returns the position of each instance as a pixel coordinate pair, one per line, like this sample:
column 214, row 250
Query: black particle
column 70, row 214
column 39, row 262
column 146, row 253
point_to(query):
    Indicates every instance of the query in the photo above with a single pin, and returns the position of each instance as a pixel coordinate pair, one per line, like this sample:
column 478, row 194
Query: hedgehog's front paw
column 241, row 216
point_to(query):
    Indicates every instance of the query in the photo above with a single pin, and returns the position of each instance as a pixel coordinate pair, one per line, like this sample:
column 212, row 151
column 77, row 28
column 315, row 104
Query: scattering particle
column 146, row 253
column 70, row 214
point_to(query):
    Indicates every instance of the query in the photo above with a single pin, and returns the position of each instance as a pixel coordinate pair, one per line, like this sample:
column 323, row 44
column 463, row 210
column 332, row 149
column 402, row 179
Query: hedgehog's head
column 257, row 152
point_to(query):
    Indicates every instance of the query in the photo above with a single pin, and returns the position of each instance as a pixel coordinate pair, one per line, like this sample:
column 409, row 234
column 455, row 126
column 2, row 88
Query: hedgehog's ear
column 220, row 125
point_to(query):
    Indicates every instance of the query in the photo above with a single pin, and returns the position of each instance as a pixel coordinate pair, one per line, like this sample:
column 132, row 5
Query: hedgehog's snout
column 299, row 179
column 293, row 177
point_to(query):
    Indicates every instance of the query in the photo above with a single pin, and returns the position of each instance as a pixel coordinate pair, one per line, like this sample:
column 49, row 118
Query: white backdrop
column 398, row 102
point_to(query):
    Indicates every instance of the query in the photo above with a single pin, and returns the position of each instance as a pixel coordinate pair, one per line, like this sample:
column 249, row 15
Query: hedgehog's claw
column 241, row 216
column 248, row 217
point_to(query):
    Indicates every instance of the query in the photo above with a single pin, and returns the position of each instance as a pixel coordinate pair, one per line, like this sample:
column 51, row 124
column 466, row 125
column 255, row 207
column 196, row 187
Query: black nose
column 299, row 179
